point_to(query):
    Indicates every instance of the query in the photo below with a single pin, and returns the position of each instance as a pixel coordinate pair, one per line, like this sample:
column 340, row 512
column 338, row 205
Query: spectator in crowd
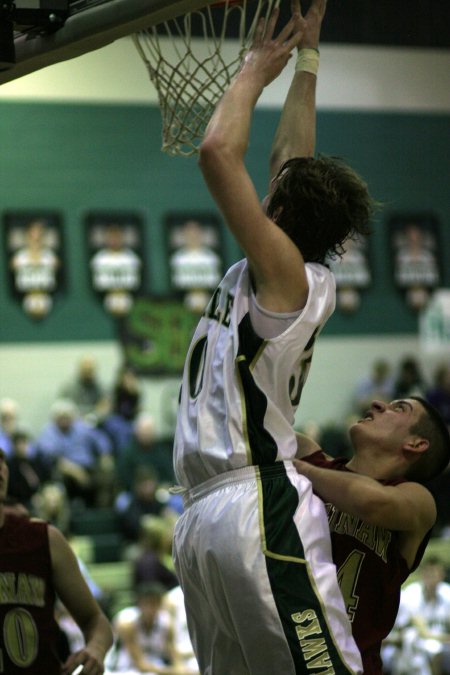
column 141, row 500
column 8, row 423
column 377, row 385
column 174, row 603
column 146, row 449
column 439, row 393
column 26, row 470
column 51, row 504
column 86, row 392
column 422, row 627
column 153, row 561
column 125, row 405
column 144, row 637
column 410, row 380
column 74, row 452
column 126, row 394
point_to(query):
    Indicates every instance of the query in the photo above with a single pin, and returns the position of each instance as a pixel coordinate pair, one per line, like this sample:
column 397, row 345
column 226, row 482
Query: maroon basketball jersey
column 370, row 572
column 28, row 631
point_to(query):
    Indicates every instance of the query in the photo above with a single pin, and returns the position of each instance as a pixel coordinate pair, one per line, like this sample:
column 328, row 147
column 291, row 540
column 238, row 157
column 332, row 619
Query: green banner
column 155, row 335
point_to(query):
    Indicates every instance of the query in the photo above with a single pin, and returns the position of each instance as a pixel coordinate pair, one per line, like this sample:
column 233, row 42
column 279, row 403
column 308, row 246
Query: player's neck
column 374, row 466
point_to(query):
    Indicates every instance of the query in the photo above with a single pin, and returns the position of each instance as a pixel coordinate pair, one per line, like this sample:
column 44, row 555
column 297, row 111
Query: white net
column 191, row 69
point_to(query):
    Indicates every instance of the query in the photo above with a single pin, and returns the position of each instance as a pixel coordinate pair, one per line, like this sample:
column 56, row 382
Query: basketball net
column 191, row 74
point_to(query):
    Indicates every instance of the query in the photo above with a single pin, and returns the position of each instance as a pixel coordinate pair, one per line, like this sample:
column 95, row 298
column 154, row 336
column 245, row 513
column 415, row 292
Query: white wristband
column 307, row 61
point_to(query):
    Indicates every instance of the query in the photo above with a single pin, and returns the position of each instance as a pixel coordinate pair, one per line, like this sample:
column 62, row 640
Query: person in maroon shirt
column 36, row 565
column 380, row 514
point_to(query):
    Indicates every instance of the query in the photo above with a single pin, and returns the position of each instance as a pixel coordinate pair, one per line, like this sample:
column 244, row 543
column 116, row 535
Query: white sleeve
column 320, row 304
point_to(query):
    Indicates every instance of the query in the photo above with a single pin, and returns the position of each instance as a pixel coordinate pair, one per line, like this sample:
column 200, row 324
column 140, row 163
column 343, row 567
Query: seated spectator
column 51, row 504
column 153, row 560
column 74, row 452
column 145, row 449
column 423, row 625
column 125, row 403
column 184, row 653
column 409, row 380
column 141, row 500
column 377, row 385
column 8, row 423
column 126, row 394
column 144, row 639
column 26, row 470
column 86, row 392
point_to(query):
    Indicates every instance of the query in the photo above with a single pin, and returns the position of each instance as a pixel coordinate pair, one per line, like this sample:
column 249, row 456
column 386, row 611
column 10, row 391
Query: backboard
column 90, row 24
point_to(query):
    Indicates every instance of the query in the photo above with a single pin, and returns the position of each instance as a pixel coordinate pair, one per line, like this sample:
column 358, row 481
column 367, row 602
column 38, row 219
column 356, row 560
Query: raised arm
column 296, row 133
column 276, row 263
column 75, row 595
column 407, row 507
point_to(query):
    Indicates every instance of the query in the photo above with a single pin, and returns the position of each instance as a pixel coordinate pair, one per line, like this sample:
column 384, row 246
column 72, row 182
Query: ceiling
column 405, row 23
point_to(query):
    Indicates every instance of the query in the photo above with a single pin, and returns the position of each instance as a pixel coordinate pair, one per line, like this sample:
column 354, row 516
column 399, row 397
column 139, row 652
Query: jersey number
column 348, row 575
column 20, row 638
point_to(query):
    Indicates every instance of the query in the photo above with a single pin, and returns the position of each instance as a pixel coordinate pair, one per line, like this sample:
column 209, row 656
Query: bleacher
column 98, row 542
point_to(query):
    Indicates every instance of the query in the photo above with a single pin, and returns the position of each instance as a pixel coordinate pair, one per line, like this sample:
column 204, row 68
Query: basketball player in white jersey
column 252, row 548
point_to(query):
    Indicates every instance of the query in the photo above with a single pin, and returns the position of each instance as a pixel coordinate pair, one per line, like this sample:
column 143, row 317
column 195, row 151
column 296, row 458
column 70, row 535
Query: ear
column 414, row 447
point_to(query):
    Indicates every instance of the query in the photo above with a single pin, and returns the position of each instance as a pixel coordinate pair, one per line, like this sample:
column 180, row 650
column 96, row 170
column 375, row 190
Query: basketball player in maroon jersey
column 36, row 565
column 380, row 515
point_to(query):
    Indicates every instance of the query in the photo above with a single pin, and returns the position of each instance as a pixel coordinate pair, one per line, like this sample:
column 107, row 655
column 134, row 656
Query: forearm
column 229, row 126
column 296, row 132
column 98, row 635
column 351, row 493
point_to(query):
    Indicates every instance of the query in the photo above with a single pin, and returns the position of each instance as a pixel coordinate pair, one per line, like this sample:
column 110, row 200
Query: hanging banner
column 115, row 242
column 414, row 243
column 195, row 256
column 34, row 246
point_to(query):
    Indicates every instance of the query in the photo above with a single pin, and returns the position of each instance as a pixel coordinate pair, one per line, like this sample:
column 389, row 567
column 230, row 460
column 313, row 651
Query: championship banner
column 195, row 256
column 115, row 242
column 34, row 248
column 352, row 273
column 414, row 243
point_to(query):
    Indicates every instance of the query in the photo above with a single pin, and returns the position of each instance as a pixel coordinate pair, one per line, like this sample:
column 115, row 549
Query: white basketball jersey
column 240, row 391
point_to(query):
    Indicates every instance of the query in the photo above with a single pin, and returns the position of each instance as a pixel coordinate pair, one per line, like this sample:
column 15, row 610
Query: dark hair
column 20, row 435
column 320, row 203
column 152, row 589
column 434, row 461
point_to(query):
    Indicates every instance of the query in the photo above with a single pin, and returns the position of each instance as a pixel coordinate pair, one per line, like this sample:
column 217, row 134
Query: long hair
column 320, row 203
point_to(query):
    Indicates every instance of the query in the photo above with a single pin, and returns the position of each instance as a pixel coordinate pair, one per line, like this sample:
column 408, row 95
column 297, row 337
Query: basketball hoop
column 190, row 73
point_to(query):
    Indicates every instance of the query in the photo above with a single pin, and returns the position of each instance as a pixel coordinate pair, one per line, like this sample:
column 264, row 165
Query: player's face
column 388, row 424
column 4, row 475
column 149, row 606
